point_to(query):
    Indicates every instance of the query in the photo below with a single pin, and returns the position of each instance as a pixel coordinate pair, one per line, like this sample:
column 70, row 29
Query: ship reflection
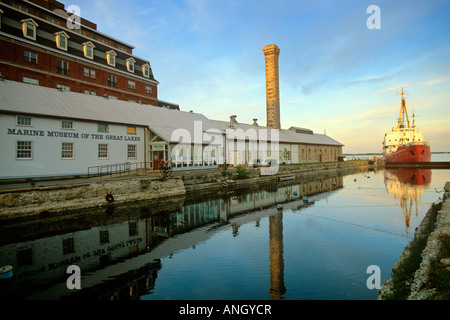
column 407, row 185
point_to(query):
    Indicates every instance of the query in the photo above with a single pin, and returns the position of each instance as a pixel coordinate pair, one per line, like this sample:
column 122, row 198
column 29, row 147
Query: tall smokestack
column 271, row 53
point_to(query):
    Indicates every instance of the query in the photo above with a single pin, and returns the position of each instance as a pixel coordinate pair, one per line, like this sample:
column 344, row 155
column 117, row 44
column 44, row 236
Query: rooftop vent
column 301, row 130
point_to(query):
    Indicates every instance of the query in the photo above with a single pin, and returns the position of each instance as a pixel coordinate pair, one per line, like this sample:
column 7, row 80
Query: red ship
column 405, row 142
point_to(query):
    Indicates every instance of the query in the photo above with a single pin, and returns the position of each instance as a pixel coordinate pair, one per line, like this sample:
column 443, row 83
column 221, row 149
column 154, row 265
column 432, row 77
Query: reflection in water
column 118, row 249
column 406, row 185
column 277, row 288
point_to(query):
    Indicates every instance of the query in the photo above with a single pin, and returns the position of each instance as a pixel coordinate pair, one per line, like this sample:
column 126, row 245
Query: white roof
column 284, row 136
column 17, row 97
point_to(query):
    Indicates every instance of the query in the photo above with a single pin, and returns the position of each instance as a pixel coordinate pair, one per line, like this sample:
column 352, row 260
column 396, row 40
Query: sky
column 336, row 75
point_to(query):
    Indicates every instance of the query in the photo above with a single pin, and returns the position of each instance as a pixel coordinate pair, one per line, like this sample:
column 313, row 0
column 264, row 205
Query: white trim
column 85, row 45
column 111, row 54
column 58, row 36
column 25, row 28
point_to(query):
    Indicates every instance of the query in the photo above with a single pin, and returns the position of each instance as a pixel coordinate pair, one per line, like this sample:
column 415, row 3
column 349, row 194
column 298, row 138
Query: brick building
column 40, row 46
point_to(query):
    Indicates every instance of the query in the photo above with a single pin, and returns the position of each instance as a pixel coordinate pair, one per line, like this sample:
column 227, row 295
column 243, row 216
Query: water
column 233, row 246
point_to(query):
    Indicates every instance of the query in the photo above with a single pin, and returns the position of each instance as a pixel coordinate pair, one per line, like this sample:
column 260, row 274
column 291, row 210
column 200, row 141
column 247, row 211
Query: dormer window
column 130, row 64
column 146, row 70
column 61, row 40
column 29, row 28
column 88, row 49
column 111, row 58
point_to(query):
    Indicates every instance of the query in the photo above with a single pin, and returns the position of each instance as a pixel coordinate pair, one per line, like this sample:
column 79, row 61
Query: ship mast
column 403, row 113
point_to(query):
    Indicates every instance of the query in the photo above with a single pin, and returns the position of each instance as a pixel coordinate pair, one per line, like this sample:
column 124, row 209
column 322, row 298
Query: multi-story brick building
column 42, row 44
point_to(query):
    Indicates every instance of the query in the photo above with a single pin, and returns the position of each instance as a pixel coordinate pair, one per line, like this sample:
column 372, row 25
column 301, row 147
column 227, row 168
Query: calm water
column 228, row 246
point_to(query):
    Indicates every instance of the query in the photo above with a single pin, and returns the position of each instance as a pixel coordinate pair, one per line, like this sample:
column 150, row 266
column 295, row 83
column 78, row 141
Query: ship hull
column 410, row 153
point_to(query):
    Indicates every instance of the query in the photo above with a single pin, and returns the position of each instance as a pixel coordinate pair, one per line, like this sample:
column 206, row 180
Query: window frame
column 130, row 64
column 58, row 36
column 24, row 150
column 131, row 84
column 103, row 154
column 131, row 130
column 67, row 154
column 90, row 45
column 131, row 152
column 28, row 56
column 112, row 80
column 64, row 68
column 67, row 121
column 22, row 124
column 111, row 57
column 27, row 22
column 146, row 70
column 102, row 124
column 31, row 81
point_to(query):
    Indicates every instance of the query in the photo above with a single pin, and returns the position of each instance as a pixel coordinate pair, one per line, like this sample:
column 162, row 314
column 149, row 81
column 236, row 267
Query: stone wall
column 43, row 200
column 420, row 288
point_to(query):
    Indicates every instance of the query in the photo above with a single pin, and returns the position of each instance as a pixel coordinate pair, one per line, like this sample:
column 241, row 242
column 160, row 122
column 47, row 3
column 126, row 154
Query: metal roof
column 17, row 97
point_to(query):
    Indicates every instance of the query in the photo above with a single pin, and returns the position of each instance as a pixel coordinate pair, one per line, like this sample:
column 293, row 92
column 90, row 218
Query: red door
column 158, row 159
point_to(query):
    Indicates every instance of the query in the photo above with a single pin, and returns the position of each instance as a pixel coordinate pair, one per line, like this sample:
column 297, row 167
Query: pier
column 421, row 165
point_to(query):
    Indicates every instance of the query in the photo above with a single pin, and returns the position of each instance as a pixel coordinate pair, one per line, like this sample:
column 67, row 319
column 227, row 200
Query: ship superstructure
column 405, row 143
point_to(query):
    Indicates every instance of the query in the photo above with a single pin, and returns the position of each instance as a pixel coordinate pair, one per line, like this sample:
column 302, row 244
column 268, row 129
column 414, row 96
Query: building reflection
column 277, row 288
column 407, row 185
column 119, row 249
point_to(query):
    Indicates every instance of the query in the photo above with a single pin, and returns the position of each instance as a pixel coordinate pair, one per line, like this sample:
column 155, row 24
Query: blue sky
column 335, row 73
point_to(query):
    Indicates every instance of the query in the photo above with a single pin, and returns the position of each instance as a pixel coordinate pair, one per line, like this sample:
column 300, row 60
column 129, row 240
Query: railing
column 117, row 169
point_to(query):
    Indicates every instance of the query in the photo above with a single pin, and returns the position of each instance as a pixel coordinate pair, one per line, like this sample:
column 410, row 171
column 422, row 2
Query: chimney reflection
column 277, row 288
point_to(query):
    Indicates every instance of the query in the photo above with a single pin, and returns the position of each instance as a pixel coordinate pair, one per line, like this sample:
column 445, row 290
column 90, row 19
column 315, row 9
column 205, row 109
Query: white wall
column 47, row 137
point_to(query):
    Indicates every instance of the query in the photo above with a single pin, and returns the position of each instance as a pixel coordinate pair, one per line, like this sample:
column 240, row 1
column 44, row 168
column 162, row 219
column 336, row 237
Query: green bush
column 241, row 172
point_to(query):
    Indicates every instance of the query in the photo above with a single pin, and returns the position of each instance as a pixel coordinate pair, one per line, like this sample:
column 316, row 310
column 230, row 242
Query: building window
column 130, row 64
column 104, row 236
column 24, row 150
column 131, row 151
column 112, row 80
column 111, row 58
column 62, row 87
column 23, row 121
column 148, row 89
column 31, row 81
column 20, row 7
column 61, row 40
column 68, row 245
column 30, row 56
column 53, row 20
column 62, row 67
column 146, row 70
column 103, row 151
column 133, row 228
column 25, row 257
column 89, row 73
column 131, row 84
column 67, row 150
column 66, row 124
column 29, row 28
column 92, row 93
column 101, row 127
column 88, row 49
column 131, row 130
